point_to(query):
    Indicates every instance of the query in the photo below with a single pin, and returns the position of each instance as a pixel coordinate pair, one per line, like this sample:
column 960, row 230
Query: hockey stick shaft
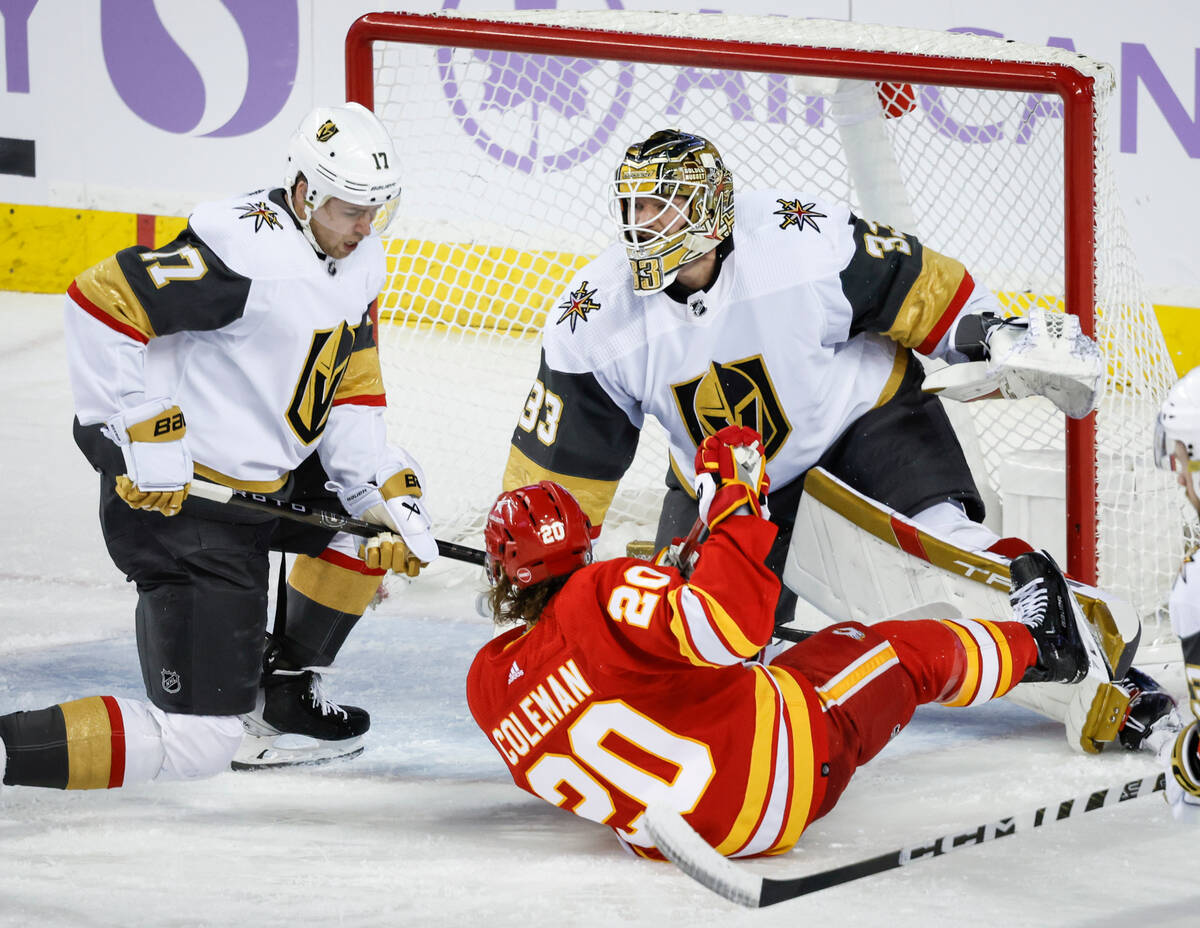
column 692, row 854
column 298, row 512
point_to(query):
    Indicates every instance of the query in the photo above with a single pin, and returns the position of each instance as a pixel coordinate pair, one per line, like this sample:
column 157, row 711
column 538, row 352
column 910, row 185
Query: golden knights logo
column 312, row 400
column 326, row 131
column 262, row 214
column 737, row 393
column 798, row 214
column 578, row 305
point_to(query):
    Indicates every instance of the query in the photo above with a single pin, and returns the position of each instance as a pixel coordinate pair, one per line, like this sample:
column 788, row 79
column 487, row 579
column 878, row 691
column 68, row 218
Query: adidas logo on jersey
column 514, row 673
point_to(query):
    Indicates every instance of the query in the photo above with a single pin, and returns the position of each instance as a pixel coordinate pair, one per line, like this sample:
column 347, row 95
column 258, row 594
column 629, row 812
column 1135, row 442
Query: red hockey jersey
column 637, row 684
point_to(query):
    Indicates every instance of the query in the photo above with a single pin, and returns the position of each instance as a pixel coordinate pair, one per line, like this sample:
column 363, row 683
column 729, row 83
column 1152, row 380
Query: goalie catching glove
column 1044, row 354
column 158, row 465
column 393, row 501
column 731, row 475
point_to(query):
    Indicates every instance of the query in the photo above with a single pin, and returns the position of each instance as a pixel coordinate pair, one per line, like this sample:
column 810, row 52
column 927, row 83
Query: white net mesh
column 506, row 158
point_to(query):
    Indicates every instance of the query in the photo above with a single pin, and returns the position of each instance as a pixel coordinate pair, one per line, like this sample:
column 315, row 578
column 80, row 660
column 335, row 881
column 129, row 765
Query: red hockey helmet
column 535, row 533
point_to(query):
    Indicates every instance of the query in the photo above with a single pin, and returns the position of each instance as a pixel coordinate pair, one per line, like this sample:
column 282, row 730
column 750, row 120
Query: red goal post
column 797, row 58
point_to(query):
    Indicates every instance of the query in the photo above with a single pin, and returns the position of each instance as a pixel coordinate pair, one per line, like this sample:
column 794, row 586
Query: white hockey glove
column 1183, row 776
column 158, row 465
column 393, row 501
column 1043, row 354
column 731, row 475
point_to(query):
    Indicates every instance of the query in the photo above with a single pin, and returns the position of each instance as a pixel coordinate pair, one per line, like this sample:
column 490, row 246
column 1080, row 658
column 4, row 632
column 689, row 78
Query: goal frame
column 1076, row 92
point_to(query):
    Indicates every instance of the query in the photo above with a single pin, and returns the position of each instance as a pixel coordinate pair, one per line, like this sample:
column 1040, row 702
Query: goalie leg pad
column 856, row 560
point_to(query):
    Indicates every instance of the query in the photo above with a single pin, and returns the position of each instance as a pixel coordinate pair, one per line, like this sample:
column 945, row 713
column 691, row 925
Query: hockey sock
column 72, row 745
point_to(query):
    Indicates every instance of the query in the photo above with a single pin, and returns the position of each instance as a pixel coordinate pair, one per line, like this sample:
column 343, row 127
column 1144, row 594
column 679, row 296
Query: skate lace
column 320, row 701
column 1029, row 603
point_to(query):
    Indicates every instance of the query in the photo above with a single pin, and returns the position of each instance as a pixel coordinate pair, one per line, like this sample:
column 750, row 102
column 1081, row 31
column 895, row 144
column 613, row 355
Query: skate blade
column 272, row 752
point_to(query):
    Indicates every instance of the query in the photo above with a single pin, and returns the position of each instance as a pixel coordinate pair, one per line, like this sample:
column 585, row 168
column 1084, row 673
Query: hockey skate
column 1069, row 647
column 1151, row 720
column 295, row 724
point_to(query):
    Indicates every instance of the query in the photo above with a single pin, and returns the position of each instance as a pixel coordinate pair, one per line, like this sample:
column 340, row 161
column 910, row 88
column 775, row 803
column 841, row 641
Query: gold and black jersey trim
column 362, row 383
column 104, row 294
column 902, row 289
column 594, row 496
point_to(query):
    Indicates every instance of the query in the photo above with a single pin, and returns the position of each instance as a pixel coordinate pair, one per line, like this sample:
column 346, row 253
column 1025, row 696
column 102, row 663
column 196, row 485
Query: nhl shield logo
column 170, row 681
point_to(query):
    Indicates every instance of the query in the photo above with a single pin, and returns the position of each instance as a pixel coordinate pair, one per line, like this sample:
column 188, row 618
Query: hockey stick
column 693, row 855
column 298, row 512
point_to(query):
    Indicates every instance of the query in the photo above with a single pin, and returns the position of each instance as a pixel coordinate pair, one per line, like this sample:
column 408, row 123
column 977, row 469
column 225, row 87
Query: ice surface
column 425, row 827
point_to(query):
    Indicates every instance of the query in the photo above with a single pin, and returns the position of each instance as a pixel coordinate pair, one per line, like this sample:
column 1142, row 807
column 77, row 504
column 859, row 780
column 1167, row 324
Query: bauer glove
column 394, row 501
column 158, row 465
column 731, row 475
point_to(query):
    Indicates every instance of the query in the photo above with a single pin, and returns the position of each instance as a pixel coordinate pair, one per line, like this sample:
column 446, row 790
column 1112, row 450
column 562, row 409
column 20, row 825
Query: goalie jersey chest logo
column 736, row 393
column 312, row 400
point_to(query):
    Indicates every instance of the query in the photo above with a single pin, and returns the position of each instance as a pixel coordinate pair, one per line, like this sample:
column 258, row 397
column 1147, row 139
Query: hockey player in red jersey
column 242, row 353
column 780, row 311
column 627, row 681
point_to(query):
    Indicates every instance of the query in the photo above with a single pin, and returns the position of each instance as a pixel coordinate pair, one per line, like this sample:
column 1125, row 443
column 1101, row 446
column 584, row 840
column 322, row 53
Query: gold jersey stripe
column 250, row 486
column 332, row 586
column 899, row 368
column 762, row 765
column 89, row 743
column 105, row 286
column 593, row 496
column 970, row 678
column 734, row 638
column 679, row 630
column 363, row 376
column 795, row 713
column 927, row 299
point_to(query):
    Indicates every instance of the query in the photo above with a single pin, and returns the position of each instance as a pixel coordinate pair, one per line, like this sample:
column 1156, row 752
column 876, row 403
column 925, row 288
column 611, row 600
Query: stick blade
column 681, row 844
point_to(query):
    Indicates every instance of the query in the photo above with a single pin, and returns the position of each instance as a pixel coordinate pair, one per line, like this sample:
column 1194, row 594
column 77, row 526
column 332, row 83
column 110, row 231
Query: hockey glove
column 1044, row 354
column 394, row 501
column 1183, row 776
column 158, row 465
column 731, row 475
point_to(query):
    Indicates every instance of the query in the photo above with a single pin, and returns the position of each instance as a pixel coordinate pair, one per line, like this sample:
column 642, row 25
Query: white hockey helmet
column 345, row 152
column 680, row 176
column 1179, row 421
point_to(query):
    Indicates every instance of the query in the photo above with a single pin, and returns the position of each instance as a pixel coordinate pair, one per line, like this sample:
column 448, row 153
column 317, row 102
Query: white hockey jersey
column 1184, row 609
column 269, row 350
column 808, row 325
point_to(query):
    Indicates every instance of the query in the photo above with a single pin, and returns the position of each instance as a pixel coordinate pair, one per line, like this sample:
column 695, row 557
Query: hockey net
column 509, row 128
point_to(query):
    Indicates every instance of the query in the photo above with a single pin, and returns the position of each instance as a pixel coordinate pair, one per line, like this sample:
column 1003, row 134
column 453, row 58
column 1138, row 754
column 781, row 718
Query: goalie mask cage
column 509, row 127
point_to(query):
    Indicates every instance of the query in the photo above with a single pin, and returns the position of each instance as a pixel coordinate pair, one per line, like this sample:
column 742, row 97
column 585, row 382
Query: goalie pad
column 1045, row 354
column 856, row 560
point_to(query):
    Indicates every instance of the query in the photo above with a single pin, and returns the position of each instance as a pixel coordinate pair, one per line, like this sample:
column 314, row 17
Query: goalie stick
column 693, row 855
column 298, row 512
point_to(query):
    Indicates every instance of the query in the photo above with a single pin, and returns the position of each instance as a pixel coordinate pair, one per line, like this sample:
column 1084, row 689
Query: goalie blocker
column 856, row 560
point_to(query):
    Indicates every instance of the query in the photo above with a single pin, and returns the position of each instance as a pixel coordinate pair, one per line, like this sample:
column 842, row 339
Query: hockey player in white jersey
column 1177, row 448
column 242, row 353
column 792, row 316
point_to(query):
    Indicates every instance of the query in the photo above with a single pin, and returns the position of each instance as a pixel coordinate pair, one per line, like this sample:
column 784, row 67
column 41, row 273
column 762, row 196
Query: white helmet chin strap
column 306, row 221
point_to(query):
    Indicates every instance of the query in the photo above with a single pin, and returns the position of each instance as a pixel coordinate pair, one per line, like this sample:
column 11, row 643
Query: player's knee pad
column 170, row 746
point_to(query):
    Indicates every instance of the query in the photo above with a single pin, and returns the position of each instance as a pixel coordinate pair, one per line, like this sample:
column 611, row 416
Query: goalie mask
column 344, row 152
column 1179, row 421
column 536, row 533
column 672, row 198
